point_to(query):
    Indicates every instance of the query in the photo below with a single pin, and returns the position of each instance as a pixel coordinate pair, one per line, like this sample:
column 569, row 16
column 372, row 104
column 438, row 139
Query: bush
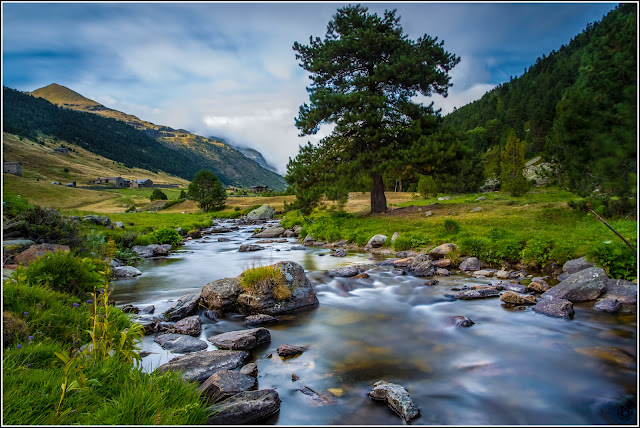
column 127, row 256
column 537, row 251
column 451, row 226
column 123, row 239
column 427, row 186
column 158, row 194
column 402, row 243
column 476, row 247
column 144, row 240
column 64, row 272
column 168, row 236
column 615, row 258
column 606, row 206
column 47, row 225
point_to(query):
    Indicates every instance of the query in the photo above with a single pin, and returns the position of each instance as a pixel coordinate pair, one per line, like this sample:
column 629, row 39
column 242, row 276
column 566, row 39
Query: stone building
column 12, row 168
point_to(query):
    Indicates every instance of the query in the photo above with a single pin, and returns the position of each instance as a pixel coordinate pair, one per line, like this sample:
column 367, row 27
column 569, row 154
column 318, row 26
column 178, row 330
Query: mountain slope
column 230, row 165
column 252, row 154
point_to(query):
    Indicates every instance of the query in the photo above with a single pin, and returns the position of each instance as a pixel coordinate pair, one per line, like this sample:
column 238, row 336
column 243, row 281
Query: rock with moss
column 221, row 294
column 15, row 246
column 513, row 298
column 441, row 251
column 584, row 285
column 265, row 212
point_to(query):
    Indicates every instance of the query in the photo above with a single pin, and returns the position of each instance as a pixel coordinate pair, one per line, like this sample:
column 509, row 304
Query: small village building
column 115, row 181
column 12, row 168
column 63, row 150
column 259, row 189
column 141, row 183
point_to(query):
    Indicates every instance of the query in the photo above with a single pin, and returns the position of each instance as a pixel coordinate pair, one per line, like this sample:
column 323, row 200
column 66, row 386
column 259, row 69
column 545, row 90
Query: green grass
column 266, row 279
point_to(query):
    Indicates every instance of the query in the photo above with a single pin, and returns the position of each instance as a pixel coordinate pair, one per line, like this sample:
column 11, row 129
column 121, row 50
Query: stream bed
column 510, row 367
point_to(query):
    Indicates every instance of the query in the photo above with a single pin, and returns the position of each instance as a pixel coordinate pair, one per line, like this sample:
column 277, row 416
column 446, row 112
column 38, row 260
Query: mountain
column 230, row 165
column 252, row 154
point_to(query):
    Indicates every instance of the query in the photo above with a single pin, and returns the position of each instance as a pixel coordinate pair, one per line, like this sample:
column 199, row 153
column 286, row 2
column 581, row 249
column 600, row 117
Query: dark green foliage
column 616, row 259
column 14, row 205
column 606, row 206
column 168, row 236
column 172, row 203
column 512, row 165
column 427, row 186
column 47, row 225
column 148, row 239
column 537, row 251
column 64, row 272
column 451, row 226
column 127, row 256
column 158, row 194
column 365, row 74
column 476, row 247
column 207, row 190
column 183, row 194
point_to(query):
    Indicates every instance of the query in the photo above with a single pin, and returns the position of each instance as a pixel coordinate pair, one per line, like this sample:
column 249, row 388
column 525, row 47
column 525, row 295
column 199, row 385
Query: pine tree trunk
column 378, row 199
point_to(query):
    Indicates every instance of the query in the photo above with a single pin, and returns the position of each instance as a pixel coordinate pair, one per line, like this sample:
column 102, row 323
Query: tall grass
column 266, row 280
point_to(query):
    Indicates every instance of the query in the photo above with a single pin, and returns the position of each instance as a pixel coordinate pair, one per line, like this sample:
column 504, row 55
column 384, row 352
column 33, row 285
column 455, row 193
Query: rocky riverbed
column 389, row 338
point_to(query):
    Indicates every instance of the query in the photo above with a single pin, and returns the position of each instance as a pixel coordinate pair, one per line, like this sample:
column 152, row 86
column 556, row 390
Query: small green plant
column 265, row 280
column 537, row 251
column 168, row 236
column 183, row 194
column 66, row 169
column 402, row 243
column 475, row 247
column 451, row 226
column 615, row 258
column 147, row 239
column 127, row 256
column 427, row 186
column 158, row 194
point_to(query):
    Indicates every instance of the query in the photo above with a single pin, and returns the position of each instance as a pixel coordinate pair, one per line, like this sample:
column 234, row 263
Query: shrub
column 14, row 205
column 497, row 234
column 183, row 194
column 168, row 236
column 62, row 271
column 123, row 239
column 158, row 194
column 171, row 203
column 427, row 186
column 127, row 256
column 615, row 258
column 265, row 280
column 508, row 250
column 402, row 243
column 144, row 240
column 47, row 225
column 537, row 251
column 451, row 226
column 476, row 247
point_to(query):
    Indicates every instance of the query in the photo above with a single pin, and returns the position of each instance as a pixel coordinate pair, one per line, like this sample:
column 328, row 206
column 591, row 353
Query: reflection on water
column 510, row 367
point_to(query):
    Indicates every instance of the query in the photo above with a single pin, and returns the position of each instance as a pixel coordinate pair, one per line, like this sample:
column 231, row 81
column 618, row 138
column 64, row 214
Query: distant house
column 259, row 189
column 141, row 183
column 12, row 168
column 63, row 150
column 116, row 181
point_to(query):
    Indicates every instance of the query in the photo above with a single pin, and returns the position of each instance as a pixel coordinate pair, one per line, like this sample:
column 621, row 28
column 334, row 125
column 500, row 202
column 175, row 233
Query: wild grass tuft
column 265, row 280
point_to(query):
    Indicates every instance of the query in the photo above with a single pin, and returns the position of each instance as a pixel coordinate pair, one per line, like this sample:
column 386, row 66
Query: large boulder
column 586, row 284
column 180, row 343
column 421, row 266
column 554, row 307
column 142, row 250
column 266, row 301
column 470, row 264
column 221, row 294
column 14, row 246
column 189, row 325
column 224, row 384
column 270, row 232
column 244, row 340
column 199, row 366
column 185, row 306
column 376, row 241
column 576, row 265
column 37, row 250
column 244, row 408
column 396, row 397
column 125, row 272
column 159, row 250
column 265, row 212
column 626, row 292
column 441, row 251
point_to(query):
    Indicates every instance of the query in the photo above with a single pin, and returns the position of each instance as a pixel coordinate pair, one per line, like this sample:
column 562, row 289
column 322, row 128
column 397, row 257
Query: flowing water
column 510, row 367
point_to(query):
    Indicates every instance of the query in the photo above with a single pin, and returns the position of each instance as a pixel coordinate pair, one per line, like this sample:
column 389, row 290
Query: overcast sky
column 228, row 69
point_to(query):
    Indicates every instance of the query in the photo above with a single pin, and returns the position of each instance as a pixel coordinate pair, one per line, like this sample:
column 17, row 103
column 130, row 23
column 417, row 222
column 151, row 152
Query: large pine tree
column 365, row 73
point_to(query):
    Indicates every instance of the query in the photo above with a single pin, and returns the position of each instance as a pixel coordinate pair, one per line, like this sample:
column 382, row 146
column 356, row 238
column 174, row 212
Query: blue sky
column 228, row 69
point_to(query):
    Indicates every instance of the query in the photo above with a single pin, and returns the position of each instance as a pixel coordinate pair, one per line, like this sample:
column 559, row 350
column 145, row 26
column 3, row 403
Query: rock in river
column 189, row 325
column 270, row 232
column 185, row 306
column 199, row 366
column 587, row 284
column 622, row 290
column 250, row 247
column 286, row 351
column 180, row 343
column 397, row 398
column 245, row 408
column 607, row 305
column 344, row 272
column 260, row 319
column 460, row 321
column 554, row 307
column 221, row 294
column 265, row 212
column 476, row 294
column 517, row 299
column 470, row 264
column 224, row 384
column 125, row 272
column 241, row 339
column 576, row 265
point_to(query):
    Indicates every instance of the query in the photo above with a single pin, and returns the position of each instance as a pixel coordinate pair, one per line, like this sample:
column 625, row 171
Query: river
column 510, row 367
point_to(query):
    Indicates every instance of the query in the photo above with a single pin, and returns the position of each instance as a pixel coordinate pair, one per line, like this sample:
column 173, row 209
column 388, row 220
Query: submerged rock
column 460, row 321
column 241, row 339
column 199, row 366
column 245, row 408
column 397, row 398
column 260, row 319
column 481, row 293
column 249, row 247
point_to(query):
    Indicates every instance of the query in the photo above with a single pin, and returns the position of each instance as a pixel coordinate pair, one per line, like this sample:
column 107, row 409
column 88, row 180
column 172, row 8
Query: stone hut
column 12, row 168
column 63, row 150
column 141, row 183
column 259, row 189
column 116, row 181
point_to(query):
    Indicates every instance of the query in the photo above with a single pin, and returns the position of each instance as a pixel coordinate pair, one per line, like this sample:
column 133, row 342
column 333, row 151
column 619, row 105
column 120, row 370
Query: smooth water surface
column 510, row 367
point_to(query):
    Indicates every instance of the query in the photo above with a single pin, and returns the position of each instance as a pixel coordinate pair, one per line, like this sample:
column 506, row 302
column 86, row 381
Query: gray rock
column 586, row 284
column 181, row 231
column 470, row 264
column 421, row 266
column 563, row 276
column 460, row 321
column 114, row 263
column 502, row 274
column 442, row 272
column 476, row 210
column 129, row 309
column 221, row 294
column 189, row 325
column 15, row 246
column 441, row 251
column 250, row 369
column 118, row 224
column 339, row 253
column 250, row 247
column 441, row 263
column 576, row 265
column 431, row 282
column 159, row 250
column 517, row 274
column 398, row 272
column 626, row 292
column 539, row 286
column 287, row 351
column 125, row 272
column 481, row 293
column 394, row 237
column 481, row 198
column 298, row 247
column 223, row 239
column 95, row 219
column 265, row 212
column 512, row 286
column 185, row 306
column 199, row 366
column 241, row 339
column 142, row 250
column 180, row 343
column 245, row 408
column 444, row 198
column 376, row 241
column 344, row 272
column 554, row 307
column 483, row 272
column 224, row 384
column 405, row 254
column 270, row 232
column 397, row 398
column 260, row 319
column 608, row 305
column 194, row 234
column 513, row 298
column 148, row 309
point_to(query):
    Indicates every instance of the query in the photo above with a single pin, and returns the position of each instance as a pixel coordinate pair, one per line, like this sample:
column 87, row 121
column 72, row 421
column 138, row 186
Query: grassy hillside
column 229, row 164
